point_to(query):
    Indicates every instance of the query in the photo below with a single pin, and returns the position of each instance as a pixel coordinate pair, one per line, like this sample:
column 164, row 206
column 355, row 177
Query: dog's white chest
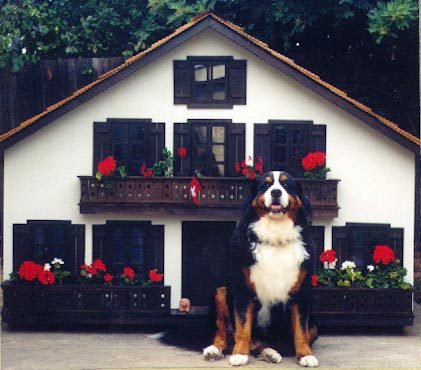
column 276, row 270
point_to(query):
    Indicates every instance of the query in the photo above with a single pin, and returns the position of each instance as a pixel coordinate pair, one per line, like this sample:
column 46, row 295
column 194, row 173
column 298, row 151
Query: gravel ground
column 106, row 349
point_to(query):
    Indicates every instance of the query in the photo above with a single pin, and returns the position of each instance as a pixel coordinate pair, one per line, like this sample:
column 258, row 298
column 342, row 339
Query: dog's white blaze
column 276, row 186
column 279, row 254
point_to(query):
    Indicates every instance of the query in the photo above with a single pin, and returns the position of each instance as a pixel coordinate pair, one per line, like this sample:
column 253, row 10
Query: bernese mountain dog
column 270, row 259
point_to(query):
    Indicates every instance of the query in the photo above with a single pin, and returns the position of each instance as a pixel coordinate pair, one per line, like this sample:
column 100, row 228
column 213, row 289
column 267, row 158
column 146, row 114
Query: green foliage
column 165, row 166
column 390, row 18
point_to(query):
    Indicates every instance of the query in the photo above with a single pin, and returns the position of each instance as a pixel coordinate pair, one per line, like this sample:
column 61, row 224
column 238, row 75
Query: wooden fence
column 24, row 94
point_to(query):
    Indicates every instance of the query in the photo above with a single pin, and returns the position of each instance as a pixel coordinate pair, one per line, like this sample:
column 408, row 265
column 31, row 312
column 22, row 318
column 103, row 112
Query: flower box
column 219, row 196
column 26, row 303
column 362, row 307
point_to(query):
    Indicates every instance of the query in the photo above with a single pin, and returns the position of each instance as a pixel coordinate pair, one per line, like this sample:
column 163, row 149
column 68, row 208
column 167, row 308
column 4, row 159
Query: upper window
column 206, row 82
column 137, row 244
column 42, row 241
column 282, row 144
column 132, row 142
column 213, row 147
column 356, row 241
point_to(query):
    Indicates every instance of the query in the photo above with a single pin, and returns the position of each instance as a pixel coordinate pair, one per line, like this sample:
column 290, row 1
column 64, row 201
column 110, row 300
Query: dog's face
column 278, row 195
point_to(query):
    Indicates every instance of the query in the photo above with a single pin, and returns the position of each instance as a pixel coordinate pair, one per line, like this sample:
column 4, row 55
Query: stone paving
column 113, row 349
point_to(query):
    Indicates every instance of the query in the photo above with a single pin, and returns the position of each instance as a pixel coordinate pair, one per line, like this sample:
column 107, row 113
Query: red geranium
column 155, row 277
column 108, row 278
column 314, row 280
column 250, row 171
column 328, row 256
column 129, row 273
column 29, row 270
column 383, row 254
column 182, row 152
column 91, row 271
column 309, row 162
column 107, row 166
column 99, row 265
column 145, row 171
column 46, row 277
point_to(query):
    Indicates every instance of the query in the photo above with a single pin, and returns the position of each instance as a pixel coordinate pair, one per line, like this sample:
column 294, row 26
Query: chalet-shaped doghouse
column 213, row 96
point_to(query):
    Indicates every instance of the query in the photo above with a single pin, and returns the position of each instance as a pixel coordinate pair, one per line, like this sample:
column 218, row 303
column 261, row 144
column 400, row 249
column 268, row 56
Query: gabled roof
column 236, row 34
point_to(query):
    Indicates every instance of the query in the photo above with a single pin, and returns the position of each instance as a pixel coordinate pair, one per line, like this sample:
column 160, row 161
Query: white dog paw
column 270, row 355
column 212, row 353
column 238, row 360
column 309, row 361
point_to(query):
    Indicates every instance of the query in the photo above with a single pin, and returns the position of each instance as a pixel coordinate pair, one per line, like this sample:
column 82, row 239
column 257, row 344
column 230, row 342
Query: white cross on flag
column 195, row 188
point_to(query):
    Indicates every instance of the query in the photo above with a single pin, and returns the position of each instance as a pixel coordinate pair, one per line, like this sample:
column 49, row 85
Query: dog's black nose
column 276, row 193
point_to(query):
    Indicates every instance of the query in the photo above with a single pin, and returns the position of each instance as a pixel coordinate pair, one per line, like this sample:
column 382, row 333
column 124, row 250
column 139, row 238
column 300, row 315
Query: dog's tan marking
column 250, row 284
column 294, row 205
column 301, row 276
column 243, row 327
column 222, row 317
column 283, row 178
column 269, row 180
column 301, row 335
column 259, row 205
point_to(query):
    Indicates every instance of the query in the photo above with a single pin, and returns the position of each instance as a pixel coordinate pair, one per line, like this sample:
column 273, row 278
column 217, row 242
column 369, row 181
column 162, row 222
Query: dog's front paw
column 309, row 361
column 238, row 360
column 270, row 355
column 212, row 353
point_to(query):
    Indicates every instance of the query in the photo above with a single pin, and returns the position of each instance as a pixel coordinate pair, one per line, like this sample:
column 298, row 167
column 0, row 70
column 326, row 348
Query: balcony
column 156, row 196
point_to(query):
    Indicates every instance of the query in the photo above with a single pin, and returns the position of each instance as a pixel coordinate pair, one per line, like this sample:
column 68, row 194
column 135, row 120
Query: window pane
column 221, row 169
column 218, row 72
column 298, row 136
column 219, row 152
column 200, row 73
column 200, row 134
column 218, row 92
column 281, row 136
column 204, row 161
column 218, row 135
column 280, row 154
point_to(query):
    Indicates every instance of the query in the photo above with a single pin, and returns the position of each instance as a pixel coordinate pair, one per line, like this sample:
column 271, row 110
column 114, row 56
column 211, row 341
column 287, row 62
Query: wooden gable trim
column 237, row 35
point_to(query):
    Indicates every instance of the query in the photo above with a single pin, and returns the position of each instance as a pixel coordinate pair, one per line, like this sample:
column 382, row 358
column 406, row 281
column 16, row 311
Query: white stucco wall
column 377, row 175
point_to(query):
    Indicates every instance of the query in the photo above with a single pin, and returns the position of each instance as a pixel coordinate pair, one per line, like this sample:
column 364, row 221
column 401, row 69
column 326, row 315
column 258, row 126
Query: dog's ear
column 305, row 213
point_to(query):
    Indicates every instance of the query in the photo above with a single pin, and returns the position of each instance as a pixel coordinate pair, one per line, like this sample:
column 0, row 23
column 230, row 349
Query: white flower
column 57, row 261
column 348, row 265
column 24, row 51
column 330, row 265
column 370, row 268
column 47, row 267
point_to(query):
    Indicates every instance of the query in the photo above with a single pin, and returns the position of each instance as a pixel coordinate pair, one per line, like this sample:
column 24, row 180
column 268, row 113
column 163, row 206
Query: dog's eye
column 269, row 180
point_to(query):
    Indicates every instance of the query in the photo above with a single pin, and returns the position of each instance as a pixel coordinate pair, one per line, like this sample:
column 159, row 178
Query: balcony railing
column 219, row 196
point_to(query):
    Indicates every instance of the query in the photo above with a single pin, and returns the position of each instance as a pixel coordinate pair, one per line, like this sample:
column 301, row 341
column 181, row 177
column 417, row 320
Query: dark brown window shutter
column 237, row 82
column 182, row 138
column 340, row 243
column 102, row 143
column 396, row 242
column 75, row 248
column 155, row 142
column 154, row 253
column 236, row 143
column 317, row 138
column 318, row 236
column 101, row 249
column 22, row 245
column 262, row 144
column 182, row 82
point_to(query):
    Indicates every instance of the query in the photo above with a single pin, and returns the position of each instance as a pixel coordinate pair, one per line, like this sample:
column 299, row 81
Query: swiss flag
column 195, row 188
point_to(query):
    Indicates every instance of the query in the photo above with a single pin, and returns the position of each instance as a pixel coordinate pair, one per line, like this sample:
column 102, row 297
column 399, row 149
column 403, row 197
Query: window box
column 82, row 304
column 219, row 196
column 362, row 307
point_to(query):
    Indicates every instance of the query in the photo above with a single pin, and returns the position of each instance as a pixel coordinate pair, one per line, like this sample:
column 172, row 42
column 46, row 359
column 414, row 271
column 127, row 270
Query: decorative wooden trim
column 220, row 196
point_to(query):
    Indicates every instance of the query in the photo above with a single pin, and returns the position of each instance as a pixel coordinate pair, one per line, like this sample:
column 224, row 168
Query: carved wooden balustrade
column 219, row 196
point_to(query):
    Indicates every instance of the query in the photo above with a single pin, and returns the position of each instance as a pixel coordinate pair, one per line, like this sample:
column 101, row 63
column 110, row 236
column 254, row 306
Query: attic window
column 210, row 82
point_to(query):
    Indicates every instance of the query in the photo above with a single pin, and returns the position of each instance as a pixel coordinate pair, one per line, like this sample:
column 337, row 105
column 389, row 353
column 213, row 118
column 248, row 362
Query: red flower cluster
column 182, row 152
column 29, row 270
column 313, row 160
column 314, row 280
column 108, row 278
column 383, row 254
column 128, row 273
column 328, row 256
column 155, row 277
column 250, row 171
column 145, row 171
column 46, row 277
column 96, row 268
column 107, row 166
